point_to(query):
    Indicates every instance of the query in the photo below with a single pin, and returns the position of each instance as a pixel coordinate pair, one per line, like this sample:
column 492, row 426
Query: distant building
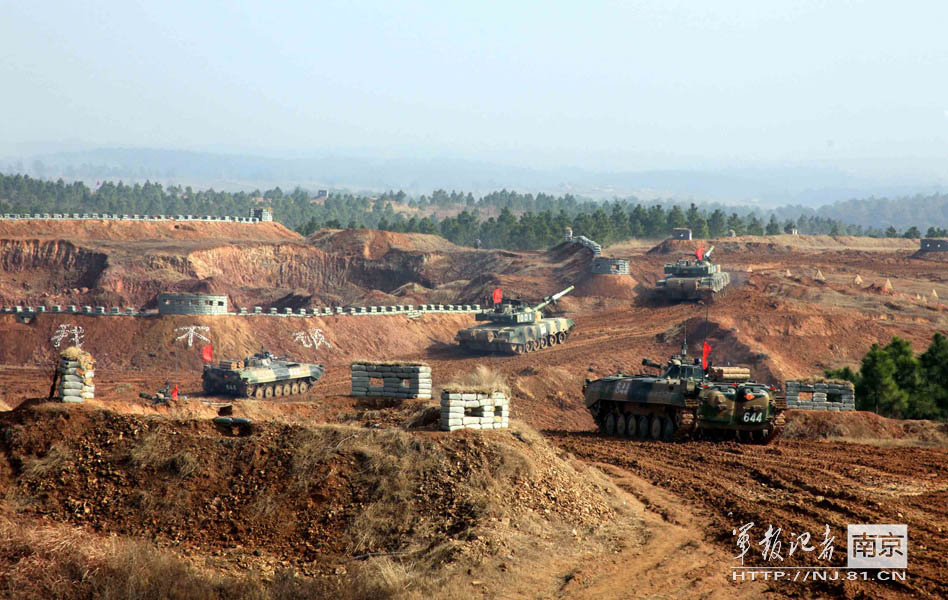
column 263, row 214
column 681, row 233
column 322, row 194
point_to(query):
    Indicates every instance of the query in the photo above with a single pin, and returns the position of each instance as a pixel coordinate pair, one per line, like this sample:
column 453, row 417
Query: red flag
column 207, row 353
column 497, row 296
column 705, row 351
column 699, row 252
column 174, row 392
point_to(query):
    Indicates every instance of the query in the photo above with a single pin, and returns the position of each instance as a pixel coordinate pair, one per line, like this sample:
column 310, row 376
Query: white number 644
column 753, row 417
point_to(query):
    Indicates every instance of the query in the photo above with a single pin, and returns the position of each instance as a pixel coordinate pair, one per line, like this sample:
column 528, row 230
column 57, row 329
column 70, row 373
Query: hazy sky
column 628, row 85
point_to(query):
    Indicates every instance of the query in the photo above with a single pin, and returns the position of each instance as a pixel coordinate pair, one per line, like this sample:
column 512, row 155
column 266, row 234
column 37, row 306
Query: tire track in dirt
column 799, row 487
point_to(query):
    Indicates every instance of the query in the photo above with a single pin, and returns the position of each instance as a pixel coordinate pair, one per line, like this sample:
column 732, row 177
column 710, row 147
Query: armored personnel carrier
column 685, row 401
column 514, row 327
column 262, row 375
column 698, row 279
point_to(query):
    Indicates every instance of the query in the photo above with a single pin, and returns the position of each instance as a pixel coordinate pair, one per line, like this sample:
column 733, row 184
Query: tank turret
column 514, row 326
column 698, row 279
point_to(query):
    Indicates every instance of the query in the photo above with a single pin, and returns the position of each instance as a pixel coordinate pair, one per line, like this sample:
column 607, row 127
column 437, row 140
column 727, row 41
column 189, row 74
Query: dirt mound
column 671, row 246
column 143, row 230
column 941, row 256
column 621, row 287
column 373, row 244
column 309, row 497
column 863, row 427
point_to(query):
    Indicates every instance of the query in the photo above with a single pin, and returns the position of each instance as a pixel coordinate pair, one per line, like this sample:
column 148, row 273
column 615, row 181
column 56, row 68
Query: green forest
column 522, row 221
column 892, row 381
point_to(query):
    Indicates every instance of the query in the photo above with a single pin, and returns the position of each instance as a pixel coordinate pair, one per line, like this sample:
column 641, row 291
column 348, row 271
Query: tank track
column 531, row 346
column 685, row 426
column 279, row 389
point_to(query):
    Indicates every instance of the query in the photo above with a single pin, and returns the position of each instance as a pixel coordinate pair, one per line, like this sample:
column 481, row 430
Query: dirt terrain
column 612, row 519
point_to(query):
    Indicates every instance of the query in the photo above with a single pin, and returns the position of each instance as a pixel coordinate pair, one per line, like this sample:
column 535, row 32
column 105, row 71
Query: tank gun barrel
column 554, row 297
column 651, row 363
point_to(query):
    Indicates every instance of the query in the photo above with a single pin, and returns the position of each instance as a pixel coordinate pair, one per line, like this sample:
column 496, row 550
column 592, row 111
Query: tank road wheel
column 668, row 429
column 304, row 387
column 287, row 389
column 277, row 390
column 259, row 393
column 531, row 346
column 295, row 388
column 560, row 337
column 620, row 425
column 610, row 424
column 631, row 426
column 655, row 428
column 643, row 427
column 519, row 349
column 249, row 392
column 541, row 343
column 268, row 391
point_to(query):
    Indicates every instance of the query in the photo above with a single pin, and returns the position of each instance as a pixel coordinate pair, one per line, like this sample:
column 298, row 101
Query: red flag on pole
column 705, row 351
column 497, row 296
column 174, row 392
column 207, row 353
column 699, row 252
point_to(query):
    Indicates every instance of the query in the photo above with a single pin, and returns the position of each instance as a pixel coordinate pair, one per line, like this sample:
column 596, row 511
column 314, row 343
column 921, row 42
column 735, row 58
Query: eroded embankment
column 443, row 509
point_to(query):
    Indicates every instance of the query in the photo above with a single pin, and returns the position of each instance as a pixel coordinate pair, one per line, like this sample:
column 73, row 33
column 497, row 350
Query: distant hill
column 760, row 187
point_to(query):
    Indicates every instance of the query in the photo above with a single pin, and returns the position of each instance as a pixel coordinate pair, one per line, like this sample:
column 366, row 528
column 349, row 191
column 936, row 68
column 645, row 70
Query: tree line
column 501, row 219
column 892, row 381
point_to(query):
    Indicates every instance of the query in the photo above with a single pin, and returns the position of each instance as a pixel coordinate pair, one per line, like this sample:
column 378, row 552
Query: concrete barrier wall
column 935, row 244
column 409, row 310
column 399, row 380
column 609, row 266
column 586, row 242
column 117, row 217
column 191, row 304
column 474, row 410
column 823, row 396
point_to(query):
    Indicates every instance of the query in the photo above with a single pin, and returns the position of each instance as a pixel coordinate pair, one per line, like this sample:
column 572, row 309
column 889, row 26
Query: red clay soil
column 798, row 487
column 142, row 230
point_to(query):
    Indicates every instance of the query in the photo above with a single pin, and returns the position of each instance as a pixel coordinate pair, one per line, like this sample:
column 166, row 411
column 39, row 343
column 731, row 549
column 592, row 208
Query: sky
column 595, row 85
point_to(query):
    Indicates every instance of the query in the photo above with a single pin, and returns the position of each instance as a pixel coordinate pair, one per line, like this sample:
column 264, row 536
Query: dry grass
column 57, row 459
column 482, row 379
column 155, row 451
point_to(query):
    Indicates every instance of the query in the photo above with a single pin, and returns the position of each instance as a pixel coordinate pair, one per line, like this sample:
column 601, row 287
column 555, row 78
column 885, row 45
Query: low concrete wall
column 399, row 380
column 472, row 410
column 191, row 304
column 117, row 217
column 820, row 396
column 935, row 244
column 609, row 266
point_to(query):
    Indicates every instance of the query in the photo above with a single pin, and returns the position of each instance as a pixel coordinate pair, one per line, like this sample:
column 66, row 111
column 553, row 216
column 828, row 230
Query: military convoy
column 260, row 376
column 514, row 327
column 686, row 400
column 698, row 279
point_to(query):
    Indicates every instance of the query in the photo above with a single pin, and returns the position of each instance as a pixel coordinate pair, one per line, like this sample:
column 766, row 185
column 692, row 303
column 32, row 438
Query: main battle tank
column 262, row 375
column 696, row 279
column 685, row 401
column 515, row 327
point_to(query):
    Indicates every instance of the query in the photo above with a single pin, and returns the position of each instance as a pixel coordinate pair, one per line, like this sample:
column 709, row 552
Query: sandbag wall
column 399, row 380
column 474, row 410
column 835, row 396
column 75, row 376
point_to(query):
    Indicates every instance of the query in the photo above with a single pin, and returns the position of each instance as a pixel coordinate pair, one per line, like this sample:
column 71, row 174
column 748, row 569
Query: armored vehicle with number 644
column 685, row 401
